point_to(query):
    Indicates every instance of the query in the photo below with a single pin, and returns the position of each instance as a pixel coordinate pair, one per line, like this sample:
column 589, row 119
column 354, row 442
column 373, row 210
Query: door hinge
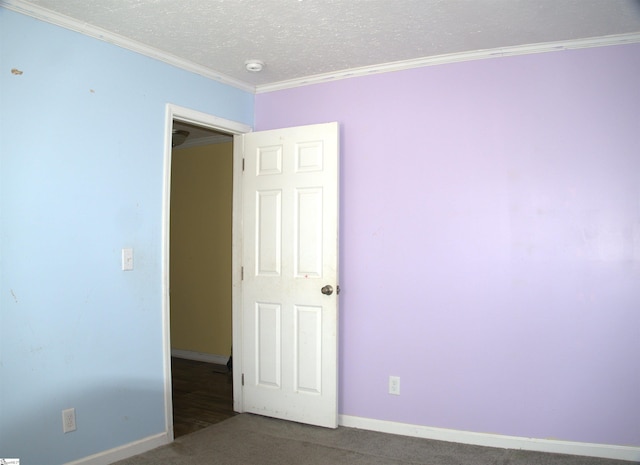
column 242, row 273
column 243, row 164
column 243, row 379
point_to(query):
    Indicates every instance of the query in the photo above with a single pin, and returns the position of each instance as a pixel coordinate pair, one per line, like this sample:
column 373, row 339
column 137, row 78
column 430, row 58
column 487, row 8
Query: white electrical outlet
column 394, row 385
column 68, row 420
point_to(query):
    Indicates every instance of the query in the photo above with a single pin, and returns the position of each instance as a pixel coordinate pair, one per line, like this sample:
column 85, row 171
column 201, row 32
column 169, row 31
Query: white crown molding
column 452, row 58
column 49, row 16
column 96, row 32
column 554, row 446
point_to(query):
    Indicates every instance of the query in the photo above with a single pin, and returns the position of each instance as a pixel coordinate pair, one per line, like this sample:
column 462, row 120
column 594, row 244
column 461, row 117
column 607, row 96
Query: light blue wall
column 81, row 177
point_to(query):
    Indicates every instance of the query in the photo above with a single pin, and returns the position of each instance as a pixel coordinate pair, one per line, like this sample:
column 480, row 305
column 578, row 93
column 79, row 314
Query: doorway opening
column 200, row 246
column 200, row 268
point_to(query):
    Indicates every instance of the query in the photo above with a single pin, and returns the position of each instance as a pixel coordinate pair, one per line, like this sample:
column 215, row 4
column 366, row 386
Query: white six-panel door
column 290, row 253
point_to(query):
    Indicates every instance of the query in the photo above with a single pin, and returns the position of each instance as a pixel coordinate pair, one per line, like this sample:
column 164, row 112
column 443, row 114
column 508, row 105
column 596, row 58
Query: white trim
column 451, row 58
column 236, row 277
column 58, row 19
column 96, row 32
column 123, row 452
column 494, row 440
column 166, row 315
column 199, row 118
column 187, row 115
column 200, row 356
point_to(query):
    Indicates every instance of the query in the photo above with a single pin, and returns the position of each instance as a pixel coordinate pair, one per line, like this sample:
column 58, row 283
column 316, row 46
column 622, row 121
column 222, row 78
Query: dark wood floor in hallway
column 202, row 395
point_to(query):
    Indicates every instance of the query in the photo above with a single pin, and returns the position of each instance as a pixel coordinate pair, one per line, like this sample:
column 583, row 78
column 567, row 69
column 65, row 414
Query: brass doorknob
column 327, row 290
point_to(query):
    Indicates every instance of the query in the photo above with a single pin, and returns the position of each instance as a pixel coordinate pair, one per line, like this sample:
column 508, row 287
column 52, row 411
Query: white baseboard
column 124, row 452
column 200, row 357
column 494, row 440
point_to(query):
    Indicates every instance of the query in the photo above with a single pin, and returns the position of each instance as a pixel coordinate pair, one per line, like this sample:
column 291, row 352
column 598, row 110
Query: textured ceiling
column 301, row 38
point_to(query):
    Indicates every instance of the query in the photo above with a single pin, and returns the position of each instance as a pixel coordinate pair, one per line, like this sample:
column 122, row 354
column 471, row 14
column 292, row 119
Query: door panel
column 290, row 251
column 308, row 349
column 268, row 344
column 308, row 233
column 268, row 233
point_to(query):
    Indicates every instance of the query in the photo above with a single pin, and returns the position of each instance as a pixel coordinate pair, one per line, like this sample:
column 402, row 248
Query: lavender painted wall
column 490, row 240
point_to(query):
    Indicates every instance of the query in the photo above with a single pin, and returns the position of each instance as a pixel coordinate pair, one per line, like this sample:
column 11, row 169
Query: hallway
column 202, row 395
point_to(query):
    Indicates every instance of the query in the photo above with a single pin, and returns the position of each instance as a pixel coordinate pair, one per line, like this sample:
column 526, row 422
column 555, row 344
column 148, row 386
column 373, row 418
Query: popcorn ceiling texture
column 300, row 38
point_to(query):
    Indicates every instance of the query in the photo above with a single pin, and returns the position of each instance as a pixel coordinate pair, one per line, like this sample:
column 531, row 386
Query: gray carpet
column 249, row 439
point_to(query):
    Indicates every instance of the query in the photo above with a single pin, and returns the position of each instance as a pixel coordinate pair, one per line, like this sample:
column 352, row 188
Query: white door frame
column 175, row 112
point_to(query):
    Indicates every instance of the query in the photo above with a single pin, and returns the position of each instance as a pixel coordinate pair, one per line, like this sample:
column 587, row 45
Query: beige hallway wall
column 200, row 248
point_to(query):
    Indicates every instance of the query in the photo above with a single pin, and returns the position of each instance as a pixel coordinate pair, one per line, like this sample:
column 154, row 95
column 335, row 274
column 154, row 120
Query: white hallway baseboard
column 124, row 452
column 494, row 440
column 200, row 356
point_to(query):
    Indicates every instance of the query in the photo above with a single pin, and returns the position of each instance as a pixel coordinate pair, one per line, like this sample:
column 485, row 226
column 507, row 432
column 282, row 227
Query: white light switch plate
column 127, row 259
